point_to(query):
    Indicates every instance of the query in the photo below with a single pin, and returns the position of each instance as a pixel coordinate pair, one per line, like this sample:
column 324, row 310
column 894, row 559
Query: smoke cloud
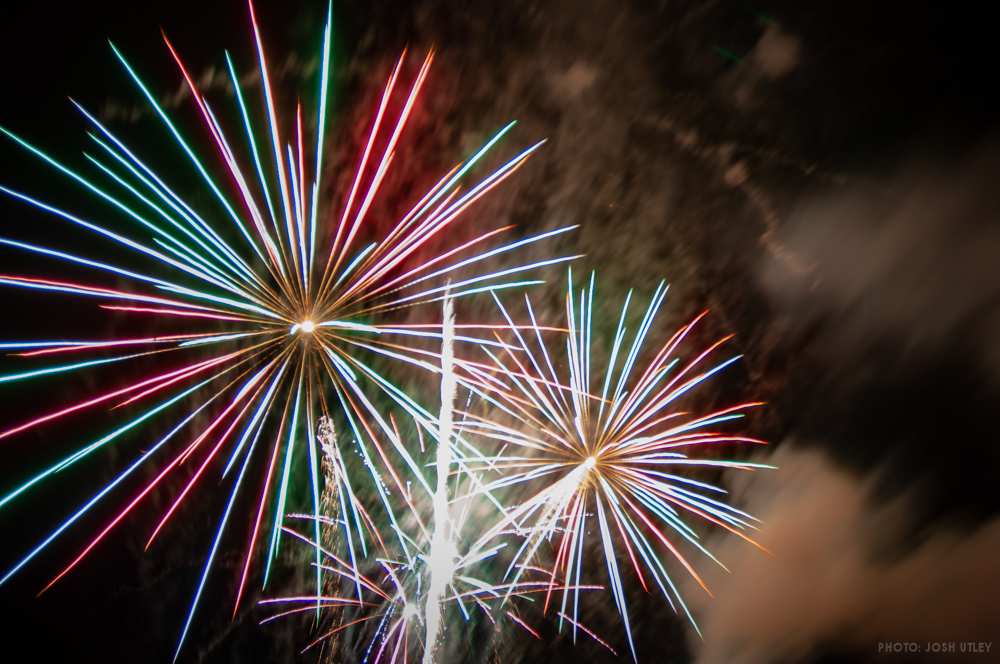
column 846, row 569
column 909, row 258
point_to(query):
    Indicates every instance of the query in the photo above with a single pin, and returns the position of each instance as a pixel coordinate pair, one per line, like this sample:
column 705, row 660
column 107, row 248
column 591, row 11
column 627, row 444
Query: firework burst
column 607, row 448
column 292, row 310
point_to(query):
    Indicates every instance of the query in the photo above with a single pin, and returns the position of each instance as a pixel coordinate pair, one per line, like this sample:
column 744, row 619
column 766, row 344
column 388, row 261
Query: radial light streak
column 294, row 312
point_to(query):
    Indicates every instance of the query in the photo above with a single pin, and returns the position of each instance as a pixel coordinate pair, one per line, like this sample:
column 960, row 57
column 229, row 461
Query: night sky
column 822, row 176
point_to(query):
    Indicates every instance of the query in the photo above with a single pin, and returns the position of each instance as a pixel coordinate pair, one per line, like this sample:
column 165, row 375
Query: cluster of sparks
column 389, row 599
column 602, row 449
column 297, row 305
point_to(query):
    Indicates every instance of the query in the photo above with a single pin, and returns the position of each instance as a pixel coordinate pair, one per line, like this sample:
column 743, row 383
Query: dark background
column 874, row 156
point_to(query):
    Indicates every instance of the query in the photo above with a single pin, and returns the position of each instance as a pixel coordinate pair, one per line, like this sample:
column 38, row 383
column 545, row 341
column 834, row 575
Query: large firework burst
column 607, row 448
column 291, row 310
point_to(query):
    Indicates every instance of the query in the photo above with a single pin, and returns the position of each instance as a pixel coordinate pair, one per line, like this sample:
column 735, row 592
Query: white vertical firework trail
column 442, row 552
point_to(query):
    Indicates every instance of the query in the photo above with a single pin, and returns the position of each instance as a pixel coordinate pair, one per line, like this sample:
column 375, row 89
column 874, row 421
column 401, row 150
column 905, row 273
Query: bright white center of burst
column 589, row 463
column 307, row 326
column 409, row 612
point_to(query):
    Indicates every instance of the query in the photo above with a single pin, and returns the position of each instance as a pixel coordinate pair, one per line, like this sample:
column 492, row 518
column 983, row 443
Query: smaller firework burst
column 607, row 447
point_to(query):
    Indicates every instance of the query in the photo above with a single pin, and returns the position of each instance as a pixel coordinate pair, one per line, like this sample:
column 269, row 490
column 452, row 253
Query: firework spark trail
column 441, row 560
column 604, row 457
column 295, row 314
column 330, row 503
